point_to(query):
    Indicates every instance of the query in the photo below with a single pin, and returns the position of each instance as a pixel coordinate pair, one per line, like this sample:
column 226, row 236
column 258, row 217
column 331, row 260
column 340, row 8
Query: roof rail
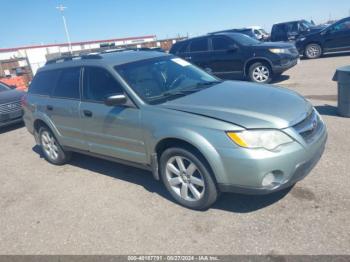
column 72, row 58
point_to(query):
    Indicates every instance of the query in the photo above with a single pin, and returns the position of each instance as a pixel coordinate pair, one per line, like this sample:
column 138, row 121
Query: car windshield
column 306, row 25
column 3, row 88
column 244, row 39
column 160, row 79
column 263, row 31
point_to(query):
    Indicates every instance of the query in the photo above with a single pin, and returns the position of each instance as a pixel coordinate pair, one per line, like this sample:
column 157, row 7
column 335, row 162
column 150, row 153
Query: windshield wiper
column 181, row 92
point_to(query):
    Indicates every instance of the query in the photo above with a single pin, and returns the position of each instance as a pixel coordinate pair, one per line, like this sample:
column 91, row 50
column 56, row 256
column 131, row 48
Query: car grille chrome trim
column 10, row 107
column 309, row 126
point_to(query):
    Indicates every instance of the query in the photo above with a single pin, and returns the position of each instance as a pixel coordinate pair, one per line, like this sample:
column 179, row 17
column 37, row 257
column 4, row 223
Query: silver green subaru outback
column 197, row 134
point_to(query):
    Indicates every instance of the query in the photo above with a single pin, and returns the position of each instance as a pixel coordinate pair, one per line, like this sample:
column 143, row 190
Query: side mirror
column 232, row 48
column 116, row 100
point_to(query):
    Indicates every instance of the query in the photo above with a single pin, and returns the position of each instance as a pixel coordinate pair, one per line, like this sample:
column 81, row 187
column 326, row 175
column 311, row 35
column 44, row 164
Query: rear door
column 226, row 61
column 198, row 52
column 338, row 37
column 113, row 131
column 63, row 107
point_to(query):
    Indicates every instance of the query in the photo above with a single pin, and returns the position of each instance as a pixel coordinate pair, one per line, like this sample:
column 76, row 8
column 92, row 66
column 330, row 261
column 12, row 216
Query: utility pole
column 61, row 8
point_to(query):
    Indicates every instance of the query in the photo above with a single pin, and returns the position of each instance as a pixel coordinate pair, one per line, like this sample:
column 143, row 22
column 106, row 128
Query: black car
column 237, row 56
column 333, row 38
column 10, row 105
column 290, row 31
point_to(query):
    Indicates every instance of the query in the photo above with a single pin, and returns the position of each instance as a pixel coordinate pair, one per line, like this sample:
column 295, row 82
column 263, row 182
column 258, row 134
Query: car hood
column 245, row 104
column 10, row 96
column 313, row 30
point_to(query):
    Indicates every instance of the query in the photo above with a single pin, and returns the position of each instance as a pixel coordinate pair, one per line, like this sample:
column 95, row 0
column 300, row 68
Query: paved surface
column 93, row 206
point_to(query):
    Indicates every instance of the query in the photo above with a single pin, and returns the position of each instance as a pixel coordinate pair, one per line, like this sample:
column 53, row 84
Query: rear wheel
column 313, row 51
column 260, row 73
column 52, row 150
column 187, row 178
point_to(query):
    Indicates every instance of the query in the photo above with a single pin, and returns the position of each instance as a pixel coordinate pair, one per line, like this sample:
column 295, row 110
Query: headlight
column 268, row 139
column 279, row 50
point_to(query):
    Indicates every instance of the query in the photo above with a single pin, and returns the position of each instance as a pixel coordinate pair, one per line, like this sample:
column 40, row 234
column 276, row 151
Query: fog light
column 272, row 179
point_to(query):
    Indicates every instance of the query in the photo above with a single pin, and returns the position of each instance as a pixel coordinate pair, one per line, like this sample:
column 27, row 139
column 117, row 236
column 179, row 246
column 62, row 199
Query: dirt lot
column 93, row 206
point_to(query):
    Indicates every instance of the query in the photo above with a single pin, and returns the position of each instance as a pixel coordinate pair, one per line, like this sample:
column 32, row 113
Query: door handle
column 188, row 57
column 50, row 108
column 87, row 113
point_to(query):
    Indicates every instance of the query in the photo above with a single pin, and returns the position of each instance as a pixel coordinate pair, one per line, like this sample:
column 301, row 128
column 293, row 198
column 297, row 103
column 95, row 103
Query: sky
column 31, row 22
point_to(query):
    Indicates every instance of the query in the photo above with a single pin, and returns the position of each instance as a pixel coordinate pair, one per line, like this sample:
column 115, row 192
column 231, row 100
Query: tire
column 196, row 189
column 313, row 51
column 260, row 73
column 51, row 149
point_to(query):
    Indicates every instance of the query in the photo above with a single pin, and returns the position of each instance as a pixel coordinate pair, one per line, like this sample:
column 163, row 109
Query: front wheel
column 313, row 51
column 260, row 73
column 188, row 178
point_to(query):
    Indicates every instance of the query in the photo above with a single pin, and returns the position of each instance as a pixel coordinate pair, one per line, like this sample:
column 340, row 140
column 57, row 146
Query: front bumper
column 11, row 119
column 245, row 169
column 278, row 69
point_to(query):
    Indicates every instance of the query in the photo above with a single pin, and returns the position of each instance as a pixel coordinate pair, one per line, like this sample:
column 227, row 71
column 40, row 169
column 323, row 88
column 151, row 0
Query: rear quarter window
column 44, row 82
column 179, row 47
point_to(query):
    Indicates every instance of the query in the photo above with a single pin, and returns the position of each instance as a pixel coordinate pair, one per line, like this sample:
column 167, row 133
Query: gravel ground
column 93, row 206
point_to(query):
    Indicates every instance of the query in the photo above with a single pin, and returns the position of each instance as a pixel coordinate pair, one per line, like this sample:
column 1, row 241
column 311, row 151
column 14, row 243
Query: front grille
column 309, row 126
column 10, row 107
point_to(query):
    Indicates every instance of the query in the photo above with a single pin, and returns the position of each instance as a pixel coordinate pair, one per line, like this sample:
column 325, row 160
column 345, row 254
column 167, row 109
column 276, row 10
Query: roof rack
column 72, row 58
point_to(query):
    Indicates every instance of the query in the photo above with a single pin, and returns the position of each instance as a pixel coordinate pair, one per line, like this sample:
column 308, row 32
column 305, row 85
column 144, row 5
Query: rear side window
column 221, row 43
column 179, row 47
column 44, row 82
column 99, row 84
column 199, row 45
column 68, row 84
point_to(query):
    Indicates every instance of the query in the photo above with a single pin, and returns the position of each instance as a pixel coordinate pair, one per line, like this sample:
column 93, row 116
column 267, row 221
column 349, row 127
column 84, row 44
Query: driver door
column 338, row 37
column 113, row 131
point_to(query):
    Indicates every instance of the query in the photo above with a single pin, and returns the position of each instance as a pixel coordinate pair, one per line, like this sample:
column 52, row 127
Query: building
column 20, row 64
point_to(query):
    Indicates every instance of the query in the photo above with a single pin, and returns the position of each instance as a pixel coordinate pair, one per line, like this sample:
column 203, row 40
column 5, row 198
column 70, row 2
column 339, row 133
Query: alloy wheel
column 313, row 51
column 184, row 178
column 261, row 73
column 49, row 145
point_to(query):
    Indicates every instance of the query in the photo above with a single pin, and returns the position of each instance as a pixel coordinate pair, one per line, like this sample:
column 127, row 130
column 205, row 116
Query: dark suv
column 238, row 56
column 333, row 38
column 290, row 31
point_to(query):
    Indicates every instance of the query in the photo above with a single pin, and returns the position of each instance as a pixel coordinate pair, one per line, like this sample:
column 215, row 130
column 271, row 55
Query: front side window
column 44, row 82
column 221, row 43
column 99, row 84
column 160, row 79
column 68, row 84
column 199, row 45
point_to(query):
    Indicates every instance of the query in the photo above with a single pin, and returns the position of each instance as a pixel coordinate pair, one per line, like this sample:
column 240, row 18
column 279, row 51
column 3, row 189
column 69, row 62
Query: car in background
column 237, row 56
column 254, row 32
column 198, row 135
column 260, row 33
column 10, row 106
column 290, row 31
column 334, row 38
